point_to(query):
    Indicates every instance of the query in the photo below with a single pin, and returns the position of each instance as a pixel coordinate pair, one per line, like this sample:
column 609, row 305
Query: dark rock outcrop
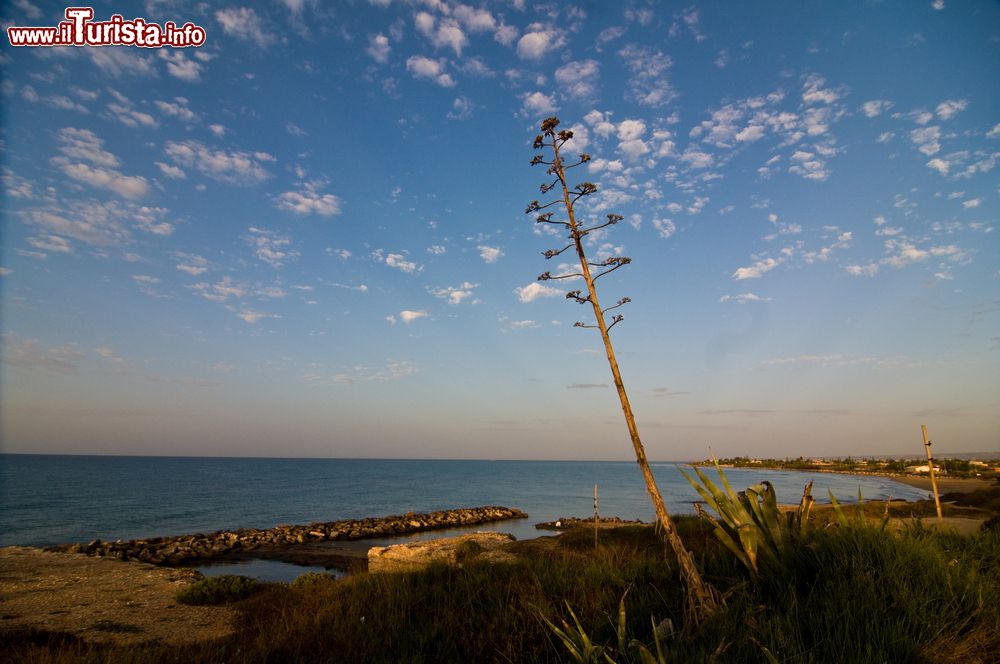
column 570, row 522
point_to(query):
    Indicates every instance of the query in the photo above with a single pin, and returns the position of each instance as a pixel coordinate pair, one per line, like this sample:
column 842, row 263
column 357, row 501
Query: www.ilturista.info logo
column 79, row 29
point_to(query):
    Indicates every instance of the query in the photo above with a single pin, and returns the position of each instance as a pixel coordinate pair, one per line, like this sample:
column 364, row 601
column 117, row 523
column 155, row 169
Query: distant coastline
column 953, row 475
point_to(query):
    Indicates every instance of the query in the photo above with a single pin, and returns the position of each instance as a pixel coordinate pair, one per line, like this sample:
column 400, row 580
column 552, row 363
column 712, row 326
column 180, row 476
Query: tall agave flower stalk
column 702, row 600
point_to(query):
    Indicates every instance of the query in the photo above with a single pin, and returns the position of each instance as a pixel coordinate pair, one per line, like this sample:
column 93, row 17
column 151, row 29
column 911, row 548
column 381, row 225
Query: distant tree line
column 880, row 465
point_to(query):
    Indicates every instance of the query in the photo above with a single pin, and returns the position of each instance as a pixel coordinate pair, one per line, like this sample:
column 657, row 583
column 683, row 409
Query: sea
column 50, row 499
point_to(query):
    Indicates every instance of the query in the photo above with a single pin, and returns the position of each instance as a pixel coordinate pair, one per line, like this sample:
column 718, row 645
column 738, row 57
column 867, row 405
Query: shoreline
column 946, row 484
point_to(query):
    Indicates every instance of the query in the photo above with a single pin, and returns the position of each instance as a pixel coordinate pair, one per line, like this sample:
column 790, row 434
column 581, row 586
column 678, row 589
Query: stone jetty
column 178, row 550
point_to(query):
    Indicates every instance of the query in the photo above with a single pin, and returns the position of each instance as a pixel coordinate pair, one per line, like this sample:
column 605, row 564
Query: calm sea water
column 58, row 499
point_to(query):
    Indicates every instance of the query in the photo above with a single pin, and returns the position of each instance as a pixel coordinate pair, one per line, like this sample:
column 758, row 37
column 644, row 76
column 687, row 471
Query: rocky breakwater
column 183, row 549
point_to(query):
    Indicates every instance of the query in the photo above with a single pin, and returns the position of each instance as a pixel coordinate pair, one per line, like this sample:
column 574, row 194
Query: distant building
column 918, row 470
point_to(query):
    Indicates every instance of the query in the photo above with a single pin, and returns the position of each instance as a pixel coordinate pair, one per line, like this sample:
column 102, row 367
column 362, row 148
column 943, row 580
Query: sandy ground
column 946, row 484
column 102, row 600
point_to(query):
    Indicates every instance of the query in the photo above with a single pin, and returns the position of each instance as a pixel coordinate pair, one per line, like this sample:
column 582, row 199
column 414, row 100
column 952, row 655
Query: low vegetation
column 218, row 590
column 850, row 592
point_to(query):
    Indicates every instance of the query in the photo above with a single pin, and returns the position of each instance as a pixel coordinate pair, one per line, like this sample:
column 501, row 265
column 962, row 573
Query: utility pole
column 930, row 466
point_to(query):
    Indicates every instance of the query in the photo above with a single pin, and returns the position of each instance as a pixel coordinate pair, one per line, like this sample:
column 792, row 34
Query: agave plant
column 750, row 523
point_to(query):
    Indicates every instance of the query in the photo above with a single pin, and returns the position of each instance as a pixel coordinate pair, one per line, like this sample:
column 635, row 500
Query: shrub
column 312, row 580
column 218, row 590
column 467, row 550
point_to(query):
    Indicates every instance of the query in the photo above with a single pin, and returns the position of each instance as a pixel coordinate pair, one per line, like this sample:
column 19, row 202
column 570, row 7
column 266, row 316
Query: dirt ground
column 102, row 600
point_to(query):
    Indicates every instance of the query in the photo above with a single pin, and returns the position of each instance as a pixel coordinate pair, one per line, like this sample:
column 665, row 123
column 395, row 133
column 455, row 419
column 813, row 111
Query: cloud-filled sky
column 307, row 236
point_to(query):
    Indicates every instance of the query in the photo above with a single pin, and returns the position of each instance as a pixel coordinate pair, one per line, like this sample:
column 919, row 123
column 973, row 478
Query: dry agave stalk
column 702, row 600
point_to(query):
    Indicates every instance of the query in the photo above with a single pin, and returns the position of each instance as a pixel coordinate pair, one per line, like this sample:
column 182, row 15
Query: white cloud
column 902, row 253
column 443, row 33
column 537, row 41
column 665, row 227
column 876, row 107
column 28, row 354
column 378, row 48
column 535, row 290
column 408, row 316
column 118, row 62
column 99, row 224
column 309, row 200
column 972, row 203
column 192, row 264
column 579, row 79
column 16, row 186
column 869, row 270
column 648, row 84
column 84, row 146
column 456, row 295
column 423, row 67
column 462, row 109
column 505, row 34
column 744, row 298
column 129, row 186
column 757, row 270
column 150, row 219
column 813, row 91
column 178, row 109
column 630, row 130
column 697, row 159
column 221, row 290
column 938, row 5
column 51, row 243
column 489, row 254
column 939, row 165
column 252, row 316
column 234, row 167
column 475, row 19
column 927, row 139
column 180, row 66
column 173, row 172
column 244, row 23
column 750, row 133
column 994, row 132
column 809, row 166
column 538, row 103
column 270, row 247
column 399, row 262
column 949, row 108
column 124, row 112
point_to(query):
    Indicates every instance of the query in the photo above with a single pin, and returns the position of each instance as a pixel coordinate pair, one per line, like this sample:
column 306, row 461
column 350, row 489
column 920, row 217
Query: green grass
column 855, row 594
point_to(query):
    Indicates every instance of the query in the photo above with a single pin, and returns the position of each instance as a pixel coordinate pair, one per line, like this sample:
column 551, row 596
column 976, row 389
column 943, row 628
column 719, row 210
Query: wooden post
column 596, row 517
column 930, row 466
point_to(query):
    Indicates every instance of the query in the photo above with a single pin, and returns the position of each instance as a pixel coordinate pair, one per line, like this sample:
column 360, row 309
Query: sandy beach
column 947, row 484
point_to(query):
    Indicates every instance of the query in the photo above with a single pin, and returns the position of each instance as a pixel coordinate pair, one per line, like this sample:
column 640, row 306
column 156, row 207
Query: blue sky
column 307, row 238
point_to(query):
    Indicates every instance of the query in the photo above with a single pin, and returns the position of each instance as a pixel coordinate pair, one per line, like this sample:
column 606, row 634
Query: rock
column 568, row 523
column 183, row 548
column 415, row 555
